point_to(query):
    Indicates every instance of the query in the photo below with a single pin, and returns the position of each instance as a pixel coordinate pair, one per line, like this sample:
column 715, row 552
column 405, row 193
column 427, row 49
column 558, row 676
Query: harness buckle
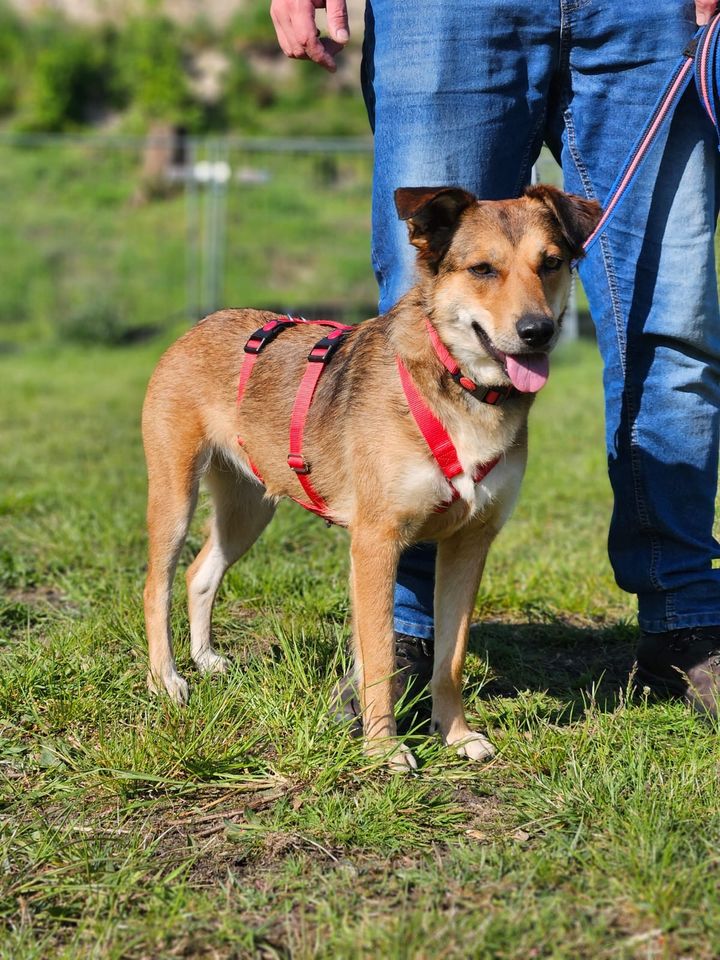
column 266, row 334
column 298, row 463
column 326, row 347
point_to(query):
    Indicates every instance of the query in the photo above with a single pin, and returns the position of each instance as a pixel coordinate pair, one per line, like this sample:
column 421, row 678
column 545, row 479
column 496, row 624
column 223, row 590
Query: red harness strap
column 317, row 360
column 435, row 434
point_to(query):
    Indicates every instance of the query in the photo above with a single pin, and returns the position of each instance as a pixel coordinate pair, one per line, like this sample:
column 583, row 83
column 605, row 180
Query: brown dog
column 493, row 284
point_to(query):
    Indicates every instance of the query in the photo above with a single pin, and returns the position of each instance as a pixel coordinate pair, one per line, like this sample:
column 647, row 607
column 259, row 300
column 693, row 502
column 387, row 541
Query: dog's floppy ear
column 432, row 214
column 577, row 216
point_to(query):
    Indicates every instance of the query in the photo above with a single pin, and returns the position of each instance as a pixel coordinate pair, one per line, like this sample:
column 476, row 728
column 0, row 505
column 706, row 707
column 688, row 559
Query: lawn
column 246, row 825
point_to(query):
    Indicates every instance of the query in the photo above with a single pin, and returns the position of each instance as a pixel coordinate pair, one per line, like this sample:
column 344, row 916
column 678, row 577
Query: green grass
column 246, row 825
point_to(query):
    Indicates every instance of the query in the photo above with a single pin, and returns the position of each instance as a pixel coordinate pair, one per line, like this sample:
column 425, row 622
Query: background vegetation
column 60, row 75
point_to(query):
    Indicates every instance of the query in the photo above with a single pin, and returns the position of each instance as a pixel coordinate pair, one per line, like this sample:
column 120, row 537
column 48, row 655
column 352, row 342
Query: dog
column 448, row 374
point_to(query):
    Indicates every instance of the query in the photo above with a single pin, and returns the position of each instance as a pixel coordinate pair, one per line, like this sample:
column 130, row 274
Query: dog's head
column 496, row 274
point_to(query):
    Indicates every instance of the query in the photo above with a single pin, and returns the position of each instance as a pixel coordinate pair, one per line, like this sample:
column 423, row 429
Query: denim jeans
column 466, row 93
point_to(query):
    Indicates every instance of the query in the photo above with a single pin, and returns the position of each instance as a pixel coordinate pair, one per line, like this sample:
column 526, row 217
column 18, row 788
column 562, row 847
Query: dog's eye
column 552, row 263
column 483, row 270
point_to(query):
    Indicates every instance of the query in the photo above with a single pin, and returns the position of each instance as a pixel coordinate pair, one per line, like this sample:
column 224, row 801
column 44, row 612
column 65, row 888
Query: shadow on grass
column 570, row 663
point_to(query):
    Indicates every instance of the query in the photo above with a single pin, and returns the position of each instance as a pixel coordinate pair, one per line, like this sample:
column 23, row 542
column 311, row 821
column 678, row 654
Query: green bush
column 70, row 80
column 245, row 97
column 151, row 71
column 12, row 56
column 93, row 323
column 57, row 75
column 252, row 27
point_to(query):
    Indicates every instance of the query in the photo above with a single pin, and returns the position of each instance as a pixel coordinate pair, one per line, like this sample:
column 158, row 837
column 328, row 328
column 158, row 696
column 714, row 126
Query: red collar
column 491, row 395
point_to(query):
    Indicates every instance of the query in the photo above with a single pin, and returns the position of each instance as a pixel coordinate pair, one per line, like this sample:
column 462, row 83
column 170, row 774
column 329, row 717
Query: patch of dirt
column 30, row 607
column 39, row 596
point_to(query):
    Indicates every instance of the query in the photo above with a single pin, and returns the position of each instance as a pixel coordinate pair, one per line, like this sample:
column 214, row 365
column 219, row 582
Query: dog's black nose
column 535, row 329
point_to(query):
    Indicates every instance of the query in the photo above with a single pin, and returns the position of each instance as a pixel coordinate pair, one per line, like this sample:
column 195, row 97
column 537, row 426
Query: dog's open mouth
column 528, row 372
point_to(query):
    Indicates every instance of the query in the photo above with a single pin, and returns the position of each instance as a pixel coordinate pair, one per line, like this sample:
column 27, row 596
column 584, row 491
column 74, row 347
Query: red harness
column 435, row 434
column 317, row 360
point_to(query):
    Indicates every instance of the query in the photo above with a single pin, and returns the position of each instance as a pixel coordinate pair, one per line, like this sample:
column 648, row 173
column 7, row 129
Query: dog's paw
column 401, row 760
column 211, row 662
column 397, row 757
column 173, row 684
column 474, row 746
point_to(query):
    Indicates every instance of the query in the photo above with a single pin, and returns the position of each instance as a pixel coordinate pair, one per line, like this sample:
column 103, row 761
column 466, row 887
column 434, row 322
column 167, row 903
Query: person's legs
column 652, row 289
column 456, row 94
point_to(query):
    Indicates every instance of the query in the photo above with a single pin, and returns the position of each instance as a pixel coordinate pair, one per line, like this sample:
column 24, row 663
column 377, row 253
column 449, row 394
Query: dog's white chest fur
column 424, row 482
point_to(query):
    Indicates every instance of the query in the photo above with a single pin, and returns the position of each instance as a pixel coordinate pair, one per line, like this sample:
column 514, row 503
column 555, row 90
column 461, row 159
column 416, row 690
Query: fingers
column 337, row 20
column 294, row 22
column 704, row 9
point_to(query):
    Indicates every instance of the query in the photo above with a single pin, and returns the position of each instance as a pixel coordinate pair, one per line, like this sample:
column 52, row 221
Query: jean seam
column 670, row 616
column 640, row 503
column 607, row 257
column 378, row 269
column 572, row 6
column 525, row 165
column 609, row 265
column 679, row 622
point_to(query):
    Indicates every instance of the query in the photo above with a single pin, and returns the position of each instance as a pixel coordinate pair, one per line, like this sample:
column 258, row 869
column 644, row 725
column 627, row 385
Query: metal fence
column 110, row 237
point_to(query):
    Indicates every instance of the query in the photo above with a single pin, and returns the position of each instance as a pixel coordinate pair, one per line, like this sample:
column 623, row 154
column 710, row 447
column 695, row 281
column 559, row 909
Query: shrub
column 100, row 322
column 245, row 97
column 12, row 55
column 71, row 79
column 252, row 27
column 150, row 69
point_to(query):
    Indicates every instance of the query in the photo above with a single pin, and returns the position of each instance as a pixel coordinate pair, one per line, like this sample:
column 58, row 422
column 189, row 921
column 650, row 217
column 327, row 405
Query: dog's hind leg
column 374, row 555
column 240, row 515
column 460, row 563
column 172, row 495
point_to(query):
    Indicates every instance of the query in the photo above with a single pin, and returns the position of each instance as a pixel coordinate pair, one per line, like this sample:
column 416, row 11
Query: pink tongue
column 529, row 371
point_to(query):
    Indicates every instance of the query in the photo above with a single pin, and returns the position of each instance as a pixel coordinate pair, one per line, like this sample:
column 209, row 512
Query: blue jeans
column 466, row 93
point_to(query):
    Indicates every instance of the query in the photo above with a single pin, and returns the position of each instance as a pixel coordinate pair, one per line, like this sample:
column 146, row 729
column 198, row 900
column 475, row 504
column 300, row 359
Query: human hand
column 704, row 9
column 294, row 22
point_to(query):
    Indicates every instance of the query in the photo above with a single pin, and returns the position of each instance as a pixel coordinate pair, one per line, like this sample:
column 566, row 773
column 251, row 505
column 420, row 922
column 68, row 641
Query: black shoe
column 684, row 664
column 414, row 666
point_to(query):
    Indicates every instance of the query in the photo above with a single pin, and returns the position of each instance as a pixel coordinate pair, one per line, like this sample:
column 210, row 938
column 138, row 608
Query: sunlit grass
column 247, row 824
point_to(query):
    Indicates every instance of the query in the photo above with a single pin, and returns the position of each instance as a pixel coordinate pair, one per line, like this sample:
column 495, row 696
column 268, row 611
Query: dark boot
column 414, row 666
column 683, row 664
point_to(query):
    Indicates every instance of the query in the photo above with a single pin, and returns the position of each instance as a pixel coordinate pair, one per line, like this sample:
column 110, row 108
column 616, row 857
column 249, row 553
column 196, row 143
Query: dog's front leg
column 460, row 564
column 374, row 554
